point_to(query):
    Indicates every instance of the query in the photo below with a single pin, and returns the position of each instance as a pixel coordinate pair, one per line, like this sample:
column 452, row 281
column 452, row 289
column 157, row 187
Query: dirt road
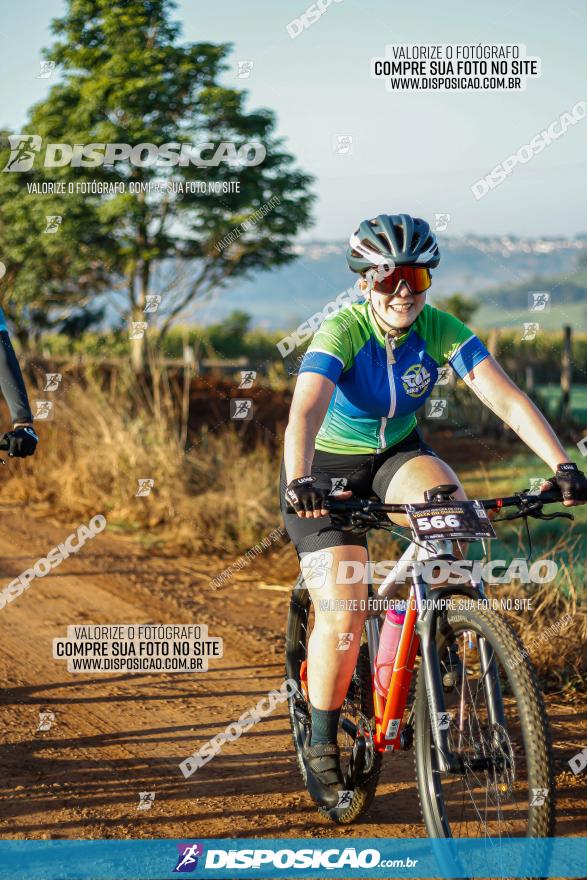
column 115, row 736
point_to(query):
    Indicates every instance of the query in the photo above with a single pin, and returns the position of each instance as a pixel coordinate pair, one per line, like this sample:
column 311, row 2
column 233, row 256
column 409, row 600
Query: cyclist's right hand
column 21, row 441
column 307, row 496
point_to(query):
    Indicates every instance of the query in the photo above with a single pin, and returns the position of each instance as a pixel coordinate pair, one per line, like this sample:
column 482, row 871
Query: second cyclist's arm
column 503, row 397
column 309, row 405
column 12, row 382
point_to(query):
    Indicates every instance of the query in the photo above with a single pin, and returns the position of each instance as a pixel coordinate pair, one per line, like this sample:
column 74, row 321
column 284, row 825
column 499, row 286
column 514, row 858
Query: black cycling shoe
column 324, row 776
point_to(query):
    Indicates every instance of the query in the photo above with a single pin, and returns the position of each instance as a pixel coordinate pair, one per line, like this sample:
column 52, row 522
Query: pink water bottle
column 388, row 645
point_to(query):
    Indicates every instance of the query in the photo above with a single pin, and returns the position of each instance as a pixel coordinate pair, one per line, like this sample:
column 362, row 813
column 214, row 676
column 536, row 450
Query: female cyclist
column 368, row 369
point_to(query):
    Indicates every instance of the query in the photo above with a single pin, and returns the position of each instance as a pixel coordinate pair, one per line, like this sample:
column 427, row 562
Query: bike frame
column 420, row 627
column 419, row 630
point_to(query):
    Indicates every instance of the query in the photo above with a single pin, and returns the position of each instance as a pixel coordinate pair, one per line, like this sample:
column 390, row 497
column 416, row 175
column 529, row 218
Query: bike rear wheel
column 357, row 711
column 514, row 796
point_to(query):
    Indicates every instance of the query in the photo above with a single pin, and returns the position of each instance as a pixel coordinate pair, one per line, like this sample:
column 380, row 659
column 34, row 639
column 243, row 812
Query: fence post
column 566, row 373
column 529, row 379
column 188, row 367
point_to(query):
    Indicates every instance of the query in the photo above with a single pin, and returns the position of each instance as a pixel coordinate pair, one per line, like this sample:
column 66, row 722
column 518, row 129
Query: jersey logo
column 416, row 380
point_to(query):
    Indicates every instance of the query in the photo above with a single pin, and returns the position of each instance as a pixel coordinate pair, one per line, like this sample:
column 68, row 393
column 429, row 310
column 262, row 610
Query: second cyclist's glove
column 21, row 442
column 304, row 495
column 571, row 481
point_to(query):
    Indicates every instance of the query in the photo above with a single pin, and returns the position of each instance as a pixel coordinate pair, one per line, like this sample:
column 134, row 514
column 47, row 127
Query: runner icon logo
column 187, row 860
column 146, row 799
column 23, row 149
column 338, row 485
column 539, row 795
column 436, row 409
column 52, row 381
column 416, row 380
column 247, row 378
column 344, row 641
column 443, row 720
column 53, row 222
column 44, row 410
column 46, row 719
column 345, row 799
column 316, row 569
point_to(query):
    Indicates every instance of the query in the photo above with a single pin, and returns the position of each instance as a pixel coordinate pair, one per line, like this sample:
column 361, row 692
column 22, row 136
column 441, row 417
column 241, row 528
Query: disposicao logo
column 25, row 147
column 187, row 859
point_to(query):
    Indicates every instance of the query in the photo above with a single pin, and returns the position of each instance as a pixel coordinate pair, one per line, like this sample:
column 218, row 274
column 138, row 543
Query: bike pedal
column 357, row 762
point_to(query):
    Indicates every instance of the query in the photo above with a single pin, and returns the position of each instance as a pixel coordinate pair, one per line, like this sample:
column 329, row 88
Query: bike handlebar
column 551, row 496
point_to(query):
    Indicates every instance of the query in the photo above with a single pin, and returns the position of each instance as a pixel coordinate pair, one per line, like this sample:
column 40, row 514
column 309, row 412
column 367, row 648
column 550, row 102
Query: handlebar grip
column 551, row 496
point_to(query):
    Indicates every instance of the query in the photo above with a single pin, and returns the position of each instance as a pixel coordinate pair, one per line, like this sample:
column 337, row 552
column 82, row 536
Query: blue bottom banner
column 272, row 858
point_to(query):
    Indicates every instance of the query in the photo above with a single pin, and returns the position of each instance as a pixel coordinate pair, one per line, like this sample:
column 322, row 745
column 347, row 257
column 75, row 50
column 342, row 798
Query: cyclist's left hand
column 572, row 483
column 21, row 442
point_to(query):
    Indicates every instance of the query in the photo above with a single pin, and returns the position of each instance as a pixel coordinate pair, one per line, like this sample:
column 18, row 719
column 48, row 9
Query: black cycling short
column 366, row 475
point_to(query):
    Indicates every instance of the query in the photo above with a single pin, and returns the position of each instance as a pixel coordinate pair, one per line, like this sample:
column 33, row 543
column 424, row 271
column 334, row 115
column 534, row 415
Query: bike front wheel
column 506, row 784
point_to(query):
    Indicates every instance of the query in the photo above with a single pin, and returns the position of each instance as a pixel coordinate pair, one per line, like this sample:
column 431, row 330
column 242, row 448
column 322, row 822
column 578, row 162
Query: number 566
column 437, row 522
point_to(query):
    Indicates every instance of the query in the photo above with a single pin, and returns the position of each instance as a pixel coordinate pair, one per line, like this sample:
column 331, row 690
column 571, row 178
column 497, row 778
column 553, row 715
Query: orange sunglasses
column 417, row 278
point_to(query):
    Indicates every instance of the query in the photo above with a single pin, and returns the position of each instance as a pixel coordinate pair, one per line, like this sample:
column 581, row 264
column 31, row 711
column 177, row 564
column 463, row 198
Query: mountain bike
column 475, row 711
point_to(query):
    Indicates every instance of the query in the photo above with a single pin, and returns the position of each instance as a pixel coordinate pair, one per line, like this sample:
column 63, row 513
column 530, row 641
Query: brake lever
column 540, row 515
column 535, row 511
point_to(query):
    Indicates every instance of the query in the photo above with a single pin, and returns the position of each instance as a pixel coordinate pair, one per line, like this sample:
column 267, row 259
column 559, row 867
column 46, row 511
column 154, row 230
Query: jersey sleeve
column 11, row 381
column 458, row 345
column 329, row 353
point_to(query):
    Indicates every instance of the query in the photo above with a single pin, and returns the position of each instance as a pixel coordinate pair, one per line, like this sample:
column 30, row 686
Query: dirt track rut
column 115, row 736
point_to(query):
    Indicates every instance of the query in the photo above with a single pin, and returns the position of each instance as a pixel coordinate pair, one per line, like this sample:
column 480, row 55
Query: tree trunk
column 139, row 321
column 137, row 340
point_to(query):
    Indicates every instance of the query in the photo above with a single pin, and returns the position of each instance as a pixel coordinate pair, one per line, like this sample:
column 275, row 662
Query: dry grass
column 553, row 630
column 216, row 497
column 220, row 497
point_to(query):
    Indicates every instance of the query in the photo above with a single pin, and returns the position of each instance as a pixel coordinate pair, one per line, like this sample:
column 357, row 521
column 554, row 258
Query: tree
column 52, row 277
column 458, row 305
column 127, row 80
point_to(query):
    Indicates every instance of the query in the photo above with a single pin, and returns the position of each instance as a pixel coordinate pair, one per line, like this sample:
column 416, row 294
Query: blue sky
column 414, row 152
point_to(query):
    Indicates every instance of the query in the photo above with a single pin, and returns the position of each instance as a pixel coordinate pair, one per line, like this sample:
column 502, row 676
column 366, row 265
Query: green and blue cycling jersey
column 381, row 381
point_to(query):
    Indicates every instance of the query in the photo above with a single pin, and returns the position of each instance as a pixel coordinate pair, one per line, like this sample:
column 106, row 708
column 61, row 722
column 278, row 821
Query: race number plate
column 450, row 519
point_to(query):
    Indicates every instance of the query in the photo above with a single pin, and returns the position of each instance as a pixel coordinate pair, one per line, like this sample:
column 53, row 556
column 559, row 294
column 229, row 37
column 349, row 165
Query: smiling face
column 397, row 310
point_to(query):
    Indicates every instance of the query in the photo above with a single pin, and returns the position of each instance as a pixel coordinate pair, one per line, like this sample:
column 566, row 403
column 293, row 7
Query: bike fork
column 491, row 683
column 439, row 719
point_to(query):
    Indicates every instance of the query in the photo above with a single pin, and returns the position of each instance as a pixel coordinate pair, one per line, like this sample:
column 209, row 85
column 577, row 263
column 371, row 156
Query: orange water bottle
column 388, row 645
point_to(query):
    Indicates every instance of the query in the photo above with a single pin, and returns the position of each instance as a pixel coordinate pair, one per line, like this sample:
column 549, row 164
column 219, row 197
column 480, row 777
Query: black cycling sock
column 324, row 725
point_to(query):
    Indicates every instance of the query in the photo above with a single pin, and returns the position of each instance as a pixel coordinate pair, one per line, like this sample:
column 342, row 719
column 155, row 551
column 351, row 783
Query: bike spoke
column 492, row 800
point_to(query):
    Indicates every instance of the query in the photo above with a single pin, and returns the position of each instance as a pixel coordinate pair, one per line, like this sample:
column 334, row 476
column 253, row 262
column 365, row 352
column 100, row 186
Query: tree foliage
column 458, row 305
column 125, row 78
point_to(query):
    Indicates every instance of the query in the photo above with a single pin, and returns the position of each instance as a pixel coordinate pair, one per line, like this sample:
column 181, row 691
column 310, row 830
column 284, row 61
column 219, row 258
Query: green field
column 569, row 538
column 495, row 315
column 551, row 394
